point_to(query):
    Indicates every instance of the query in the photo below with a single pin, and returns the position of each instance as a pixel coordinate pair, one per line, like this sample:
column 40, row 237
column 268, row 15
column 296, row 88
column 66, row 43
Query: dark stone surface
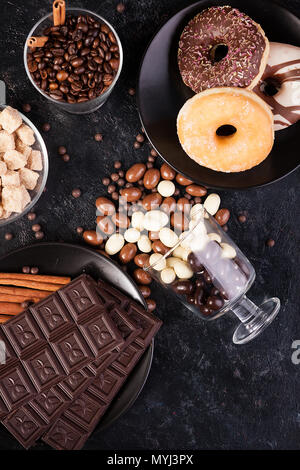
column 203, row 392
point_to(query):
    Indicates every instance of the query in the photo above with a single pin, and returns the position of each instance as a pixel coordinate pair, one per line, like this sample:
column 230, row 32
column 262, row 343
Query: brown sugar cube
column 10, row 119
column 14, row 159
column 26, row 135
column 34, row 161
column 12, row 199
column 3, row 168
column 7, row 141
column 11, row 178
column 22, row 148
column 25, row 195
column 28, row 178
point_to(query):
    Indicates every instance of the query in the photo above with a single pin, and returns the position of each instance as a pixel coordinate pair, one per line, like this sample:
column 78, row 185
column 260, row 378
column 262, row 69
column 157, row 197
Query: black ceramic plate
column 161, row 94
column 72, row 260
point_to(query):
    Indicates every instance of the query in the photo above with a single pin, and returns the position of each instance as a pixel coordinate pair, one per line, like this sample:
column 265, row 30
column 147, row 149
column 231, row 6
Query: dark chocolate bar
column 53, row 339
column 72, row 429
column 106, row 384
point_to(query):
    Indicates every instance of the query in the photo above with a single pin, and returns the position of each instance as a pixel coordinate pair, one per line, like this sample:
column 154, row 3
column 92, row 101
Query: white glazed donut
column 283, row 73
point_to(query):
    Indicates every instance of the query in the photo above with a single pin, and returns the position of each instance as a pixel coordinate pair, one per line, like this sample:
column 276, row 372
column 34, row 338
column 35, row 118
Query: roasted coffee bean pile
column 78, row 62
column 144, row 187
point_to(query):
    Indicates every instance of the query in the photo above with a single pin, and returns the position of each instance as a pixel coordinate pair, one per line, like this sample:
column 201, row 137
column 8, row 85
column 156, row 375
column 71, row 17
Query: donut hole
column 218, row 52
column 226, row 130
column 270, row 86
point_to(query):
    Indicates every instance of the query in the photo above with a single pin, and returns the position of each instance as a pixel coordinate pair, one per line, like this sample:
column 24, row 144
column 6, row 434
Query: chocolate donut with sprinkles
column 222, row 47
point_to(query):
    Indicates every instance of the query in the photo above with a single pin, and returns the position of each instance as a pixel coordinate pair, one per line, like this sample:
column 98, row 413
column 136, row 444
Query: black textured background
column 203, row 392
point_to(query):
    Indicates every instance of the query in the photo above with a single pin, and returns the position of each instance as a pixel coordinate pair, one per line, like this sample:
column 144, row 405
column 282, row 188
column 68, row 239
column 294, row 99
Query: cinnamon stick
column 18, row 298
column 59, row 12
column 37, row 41
column 37, row 294
column 36, row 278
column 4, row 318
column 31, row 284
column 7, row 308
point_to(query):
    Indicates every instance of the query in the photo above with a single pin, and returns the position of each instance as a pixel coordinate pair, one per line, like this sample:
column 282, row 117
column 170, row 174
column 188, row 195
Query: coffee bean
column 76, row 193
column 111, row 188
column 31, row 216
column 79, row 51
column 136, row 145
column 66, row 157
column 117, row 164
column 79, row 230
column 39, row 235
column 62, row 150
column 105, row 181
column 36, row 227
column 270, row 243
column 140, row 138
column 151, row 305
column 34, row 270
column 120, row 8
column 121, row 182
column 153, row 153
column 25, row 304
column 114, row 177
column 115, row 195
column 242, row 218
column 46, row 127
column 26, row 108
column 8, row 236
column 149, row 165
column 26, row 269
column 131, row 91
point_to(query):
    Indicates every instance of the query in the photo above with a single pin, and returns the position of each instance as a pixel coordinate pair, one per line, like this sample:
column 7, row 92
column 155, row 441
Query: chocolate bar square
column 49, row 404
column 80, row 297
column 15, row 387
column 52, row 316
column 24, row 425
column 43, row 369
column 85, row 410
column 106, row 384
column 65, row 435
column 73, row 351
column 23, row 333
column 101, row 333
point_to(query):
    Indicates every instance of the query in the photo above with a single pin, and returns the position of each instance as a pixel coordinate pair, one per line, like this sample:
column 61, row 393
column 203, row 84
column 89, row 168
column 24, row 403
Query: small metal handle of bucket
column 2, row 92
